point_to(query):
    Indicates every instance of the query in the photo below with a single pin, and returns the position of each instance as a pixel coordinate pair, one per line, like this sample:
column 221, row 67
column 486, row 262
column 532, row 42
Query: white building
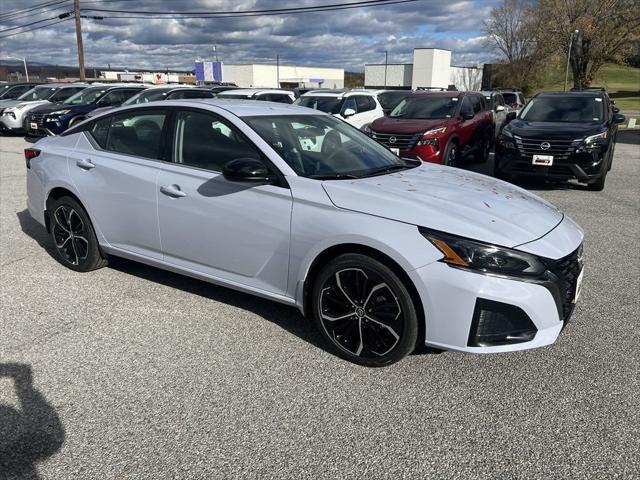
column 431, row 68
column 283, row 76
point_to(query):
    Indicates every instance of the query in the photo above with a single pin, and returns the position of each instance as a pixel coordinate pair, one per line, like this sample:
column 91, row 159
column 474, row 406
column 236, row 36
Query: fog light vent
column 496, row 323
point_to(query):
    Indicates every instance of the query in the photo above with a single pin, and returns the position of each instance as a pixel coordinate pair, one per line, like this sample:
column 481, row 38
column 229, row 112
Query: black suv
column 561, row 136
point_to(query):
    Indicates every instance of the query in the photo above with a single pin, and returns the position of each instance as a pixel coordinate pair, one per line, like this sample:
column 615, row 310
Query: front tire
column 73, row 237
column 451, row 154
column 364, row 311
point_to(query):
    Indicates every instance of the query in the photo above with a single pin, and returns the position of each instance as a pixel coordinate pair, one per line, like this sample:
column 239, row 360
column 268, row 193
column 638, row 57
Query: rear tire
column 485, row 148
column 364, row 311
column 73, row 237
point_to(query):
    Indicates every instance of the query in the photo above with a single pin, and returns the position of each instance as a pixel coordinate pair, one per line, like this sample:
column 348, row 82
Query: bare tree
column 607, row 30
column 510, row 33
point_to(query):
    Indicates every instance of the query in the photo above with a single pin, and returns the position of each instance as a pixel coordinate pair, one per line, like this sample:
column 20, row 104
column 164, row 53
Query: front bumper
column 452, row 297
column 11, row 123
column 44, row 126
column 574, row 163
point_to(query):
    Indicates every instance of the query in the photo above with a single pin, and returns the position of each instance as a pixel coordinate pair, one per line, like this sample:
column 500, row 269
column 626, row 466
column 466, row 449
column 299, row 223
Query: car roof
column 338, row 93
column 253, row 91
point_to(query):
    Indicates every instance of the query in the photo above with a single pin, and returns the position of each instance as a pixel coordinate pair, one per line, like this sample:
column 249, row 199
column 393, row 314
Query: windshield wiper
column 334, row 176
column 388, row 169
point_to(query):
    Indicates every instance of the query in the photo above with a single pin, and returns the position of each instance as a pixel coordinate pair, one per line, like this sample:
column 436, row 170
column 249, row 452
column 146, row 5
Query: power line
column 27, row 24
column 35, row 14
column 8, row 15
column 37, row 28
column 236, row 13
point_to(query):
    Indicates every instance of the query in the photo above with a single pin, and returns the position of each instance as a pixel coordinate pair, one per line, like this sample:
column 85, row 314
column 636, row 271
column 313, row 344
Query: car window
column 64, row 93
column 116, row 97
column 467, row 106
column 365, row 103
column 180, row 94
column 275, row 97
column 203, row 140
column 478, row 104
column 323, row 103
column 499, row 99
column 99, row 131
column 426, row 107
column 350, row 102
column 136, row 133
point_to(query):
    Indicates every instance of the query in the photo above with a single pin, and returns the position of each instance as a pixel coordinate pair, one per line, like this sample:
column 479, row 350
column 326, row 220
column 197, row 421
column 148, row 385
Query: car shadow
column 629, row 136
column 287, row 318
column 30, row 433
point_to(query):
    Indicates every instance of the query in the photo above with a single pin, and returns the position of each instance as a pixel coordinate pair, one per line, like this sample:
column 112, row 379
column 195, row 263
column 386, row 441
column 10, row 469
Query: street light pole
column 386, row 58
column 566, row 72
column 278, row 71
column 26, row 72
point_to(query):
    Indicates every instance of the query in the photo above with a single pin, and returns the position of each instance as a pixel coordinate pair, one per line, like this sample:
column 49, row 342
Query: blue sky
column 347, row 38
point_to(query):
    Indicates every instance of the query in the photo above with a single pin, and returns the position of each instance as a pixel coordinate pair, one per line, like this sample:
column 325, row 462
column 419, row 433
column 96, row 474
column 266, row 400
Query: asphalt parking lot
column 133, row 372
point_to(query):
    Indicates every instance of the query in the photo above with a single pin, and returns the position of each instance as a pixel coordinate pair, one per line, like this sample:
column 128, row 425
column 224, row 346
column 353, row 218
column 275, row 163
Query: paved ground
column 131, row 372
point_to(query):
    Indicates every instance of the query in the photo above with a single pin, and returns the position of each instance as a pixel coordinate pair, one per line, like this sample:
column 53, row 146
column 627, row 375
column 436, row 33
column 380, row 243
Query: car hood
column 406, row 125
column 30, row 103
column 450, row 200
column 553, row 130
column 74, row 108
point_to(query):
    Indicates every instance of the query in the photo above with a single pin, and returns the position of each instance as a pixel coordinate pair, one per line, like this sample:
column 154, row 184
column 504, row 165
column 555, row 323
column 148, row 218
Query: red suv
column 437, row 127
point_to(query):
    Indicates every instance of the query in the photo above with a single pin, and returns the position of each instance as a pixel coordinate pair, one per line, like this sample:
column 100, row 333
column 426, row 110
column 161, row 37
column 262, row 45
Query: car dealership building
column 431, row 68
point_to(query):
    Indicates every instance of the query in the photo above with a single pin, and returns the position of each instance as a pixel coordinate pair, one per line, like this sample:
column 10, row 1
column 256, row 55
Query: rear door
column 367, row 110
column 115, row 167
column 231, row 231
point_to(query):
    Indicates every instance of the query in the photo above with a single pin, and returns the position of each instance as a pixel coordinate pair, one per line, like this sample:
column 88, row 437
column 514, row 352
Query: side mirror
column 615, row 109
column 248, row 170
column 500, row 108
column 348, row 112
column 468, row 115
column 619, row 118
column 511, row 116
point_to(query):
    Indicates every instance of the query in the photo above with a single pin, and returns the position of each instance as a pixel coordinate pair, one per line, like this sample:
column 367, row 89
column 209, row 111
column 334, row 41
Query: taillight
column 30, row 153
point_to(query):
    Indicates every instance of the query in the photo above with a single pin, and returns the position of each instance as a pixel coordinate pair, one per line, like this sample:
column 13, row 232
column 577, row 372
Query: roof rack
column 589, row 89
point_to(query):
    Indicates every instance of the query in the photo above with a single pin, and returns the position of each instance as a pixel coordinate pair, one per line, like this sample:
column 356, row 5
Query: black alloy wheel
column 450, row 155
column 364, row 311
column 73, row 236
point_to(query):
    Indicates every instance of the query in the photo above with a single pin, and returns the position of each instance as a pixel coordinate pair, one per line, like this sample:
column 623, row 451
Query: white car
column 262, row 94
column 356, row 107
column 385, row 253
column 13, row 113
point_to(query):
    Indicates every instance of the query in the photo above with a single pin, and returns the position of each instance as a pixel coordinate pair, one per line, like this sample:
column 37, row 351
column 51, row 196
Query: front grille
column 567, row 269
column 560, row 149
column 397, row 140
column 37, row 118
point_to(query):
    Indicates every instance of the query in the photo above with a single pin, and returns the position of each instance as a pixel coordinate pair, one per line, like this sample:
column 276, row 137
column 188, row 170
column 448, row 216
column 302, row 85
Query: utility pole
column 386, row 58
column 76, row 11
column 566, row 72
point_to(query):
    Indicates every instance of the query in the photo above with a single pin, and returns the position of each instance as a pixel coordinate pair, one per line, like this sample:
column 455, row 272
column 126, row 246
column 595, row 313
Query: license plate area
column 542, row 160
column 395, row 150
column 33, row 126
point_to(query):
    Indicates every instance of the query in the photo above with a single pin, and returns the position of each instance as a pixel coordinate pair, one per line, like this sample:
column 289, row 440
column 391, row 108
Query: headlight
column 473, row 255
column 435, row 131
column 366, row 128
column 507, row 133
column 594, row 138
column 60, row 112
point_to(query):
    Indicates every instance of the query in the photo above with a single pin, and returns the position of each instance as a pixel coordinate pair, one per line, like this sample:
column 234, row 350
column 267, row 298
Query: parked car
column 513, row 98
column 55, row 119
column 263, row 94
column 216, row 89
column 13, row 114
column 356, row 107
column 496, row 104
column 11, row 91
column 561, row 136
column 375, row 247
column 437, row 127
column 153, row 94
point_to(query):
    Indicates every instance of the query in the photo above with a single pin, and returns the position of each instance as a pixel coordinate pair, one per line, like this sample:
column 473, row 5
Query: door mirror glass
column 615, row 109
column 468, row 115
column 619, row 118
column 511, row 116
column 247, row 170
column 500, row 108
column 348, row 112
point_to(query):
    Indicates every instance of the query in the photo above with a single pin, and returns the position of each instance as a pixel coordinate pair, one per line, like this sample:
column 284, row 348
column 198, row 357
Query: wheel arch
column 334, row 251
column 55, row 194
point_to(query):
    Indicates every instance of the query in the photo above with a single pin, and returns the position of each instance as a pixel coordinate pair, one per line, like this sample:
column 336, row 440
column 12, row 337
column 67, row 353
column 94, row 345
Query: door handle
column 172, row 191
column 85, row 164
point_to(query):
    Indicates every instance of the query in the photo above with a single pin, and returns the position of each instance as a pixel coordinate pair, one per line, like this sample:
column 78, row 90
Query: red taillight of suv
column 30, row 153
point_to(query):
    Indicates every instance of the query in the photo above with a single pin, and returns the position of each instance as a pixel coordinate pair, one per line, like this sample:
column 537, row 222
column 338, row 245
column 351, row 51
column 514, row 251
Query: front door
column 115, row 167
column 235, row 232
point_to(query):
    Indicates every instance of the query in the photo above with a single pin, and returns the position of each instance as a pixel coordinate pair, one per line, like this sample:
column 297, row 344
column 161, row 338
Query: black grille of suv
column 396, row 140
column 37, row 118
column 560, row 149
column 567, row 270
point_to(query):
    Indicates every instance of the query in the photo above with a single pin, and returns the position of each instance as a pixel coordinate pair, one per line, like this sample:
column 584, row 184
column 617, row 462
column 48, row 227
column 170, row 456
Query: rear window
column 324, row 104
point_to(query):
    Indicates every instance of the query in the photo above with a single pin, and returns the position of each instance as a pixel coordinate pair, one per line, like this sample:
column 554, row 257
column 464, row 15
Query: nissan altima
column 297, row 206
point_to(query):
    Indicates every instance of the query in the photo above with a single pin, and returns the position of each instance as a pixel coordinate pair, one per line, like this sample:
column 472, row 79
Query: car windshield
column 425, row 107
column 563, row 109
column 323, row 147
column 323, row 103
column 88, row 95
column 37, row 93
column 390, row 100
column 148, row 96
column 510, row 98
